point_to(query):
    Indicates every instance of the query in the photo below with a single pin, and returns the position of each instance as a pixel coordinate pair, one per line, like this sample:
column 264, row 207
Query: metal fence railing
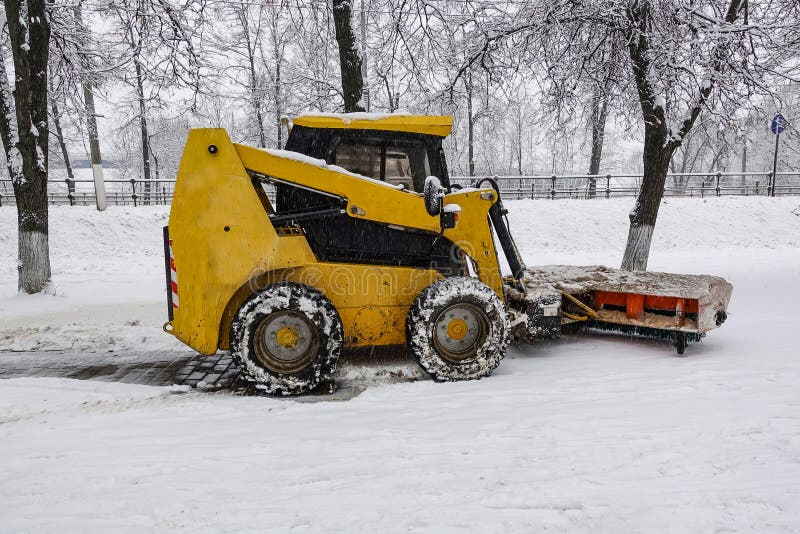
column 627, row 185
column 80, row 192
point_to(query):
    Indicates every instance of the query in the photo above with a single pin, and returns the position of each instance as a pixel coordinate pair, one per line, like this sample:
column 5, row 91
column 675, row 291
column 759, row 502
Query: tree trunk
column 519, row 142
column 157, row 174
column 255, row 98
column 390, row 98
column 278, row 109
column 256, row 101
column 643, row 216
column 63, row 145
column 364, row 71
column 26, row 142
column 349, row 58
column 599, row 116
column 277, row 54
column 470, row 125
column 744, row 169
column 143, row 124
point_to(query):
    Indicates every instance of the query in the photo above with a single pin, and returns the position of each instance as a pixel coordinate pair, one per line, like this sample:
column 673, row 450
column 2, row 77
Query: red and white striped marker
column 173, row 276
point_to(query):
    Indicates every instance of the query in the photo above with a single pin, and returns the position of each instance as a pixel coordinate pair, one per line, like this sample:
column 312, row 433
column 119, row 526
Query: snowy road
column 588, row 434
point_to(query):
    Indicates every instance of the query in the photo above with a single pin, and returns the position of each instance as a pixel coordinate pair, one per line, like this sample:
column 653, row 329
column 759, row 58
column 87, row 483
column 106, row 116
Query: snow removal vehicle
column 354, row 237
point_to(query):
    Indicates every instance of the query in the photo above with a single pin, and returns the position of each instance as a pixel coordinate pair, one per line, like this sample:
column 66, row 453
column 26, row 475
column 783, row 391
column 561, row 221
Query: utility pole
column 91, row 125
column 365, row 90
column 94, row 148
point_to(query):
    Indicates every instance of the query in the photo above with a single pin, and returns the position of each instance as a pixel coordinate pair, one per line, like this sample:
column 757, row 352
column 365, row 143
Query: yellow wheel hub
column 457, row 329
column 287, row 337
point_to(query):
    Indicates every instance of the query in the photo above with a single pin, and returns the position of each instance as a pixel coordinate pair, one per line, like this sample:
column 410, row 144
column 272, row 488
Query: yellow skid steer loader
column 368, row 244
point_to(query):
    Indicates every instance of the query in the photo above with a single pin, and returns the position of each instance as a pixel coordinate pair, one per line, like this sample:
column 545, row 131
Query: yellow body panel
column 377, row 201
column 431, row 125
column 372, row 300
column 214, row 192
column 225, row 247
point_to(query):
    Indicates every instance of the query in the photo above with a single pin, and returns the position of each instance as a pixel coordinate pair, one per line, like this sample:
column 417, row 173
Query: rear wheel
column 286, row 338
column 458, row 329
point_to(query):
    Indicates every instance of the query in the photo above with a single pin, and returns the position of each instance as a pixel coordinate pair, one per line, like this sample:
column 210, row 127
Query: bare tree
column 24, row 131
column 156, row 39
column 602, row 92
column 678, row 55
column 239, row 42
column 661, row 141
column 349, row 57
column 315, row 63
column 55, row 117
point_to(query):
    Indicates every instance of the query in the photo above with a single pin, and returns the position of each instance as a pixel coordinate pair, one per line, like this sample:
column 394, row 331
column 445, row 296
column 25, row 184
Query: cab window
column 360, row 159
column 403, row 164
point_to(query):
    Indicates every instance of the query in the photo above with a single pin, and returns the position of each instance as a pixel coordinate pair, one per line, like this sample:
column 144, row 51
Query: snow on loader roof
column 439, row 126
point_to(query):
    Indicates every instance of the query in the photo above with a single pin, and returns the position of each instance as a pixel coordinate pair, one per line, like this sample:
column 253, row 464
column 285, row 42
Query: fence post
column 1, row 200
column 608, row 185
column 702, row 188
column 133, row 191
column 719, row 175
column 533, row 189
column 553, row 187
column 757, row 182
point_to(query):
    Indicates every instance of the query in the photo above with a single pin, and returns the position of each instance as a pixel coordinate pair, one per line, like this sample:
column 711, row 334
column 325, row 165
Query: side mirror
column 434, row 194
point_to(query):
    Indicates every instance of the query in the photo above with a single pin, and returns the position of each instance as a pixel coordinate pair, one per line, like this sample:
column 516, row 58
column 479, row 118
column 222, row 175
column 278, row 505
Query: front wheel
column 286, row 338
column 458, row 329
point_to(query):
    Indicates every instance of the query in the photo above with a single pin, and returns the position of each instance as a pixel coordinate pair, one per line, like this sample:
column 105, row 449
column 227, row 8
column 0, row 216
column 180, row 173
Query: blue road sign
column 778, row 124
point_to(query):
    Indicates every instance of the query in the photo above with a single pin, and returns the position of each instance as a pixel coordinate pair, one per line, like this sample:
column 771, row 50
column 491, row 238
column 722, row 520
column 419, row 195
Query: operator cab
column 394, row 157
column 397, row 149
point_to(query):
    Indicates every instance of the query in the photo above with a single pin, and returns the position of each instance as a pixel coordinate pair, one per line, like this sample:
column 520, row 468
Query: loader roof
column 437, row 125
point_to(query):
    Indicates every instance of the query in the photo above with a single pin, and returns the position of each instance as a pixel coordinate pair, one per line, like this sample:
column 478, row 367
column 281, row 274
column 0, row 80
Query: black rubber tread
column 287, row 296
column 432, row 301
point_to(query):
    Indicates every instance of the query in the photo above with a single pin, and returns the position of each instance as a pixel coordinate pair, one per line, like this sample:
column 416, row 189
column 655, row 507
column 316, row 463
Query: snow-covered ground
column 587, row 434
column 108, row 283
